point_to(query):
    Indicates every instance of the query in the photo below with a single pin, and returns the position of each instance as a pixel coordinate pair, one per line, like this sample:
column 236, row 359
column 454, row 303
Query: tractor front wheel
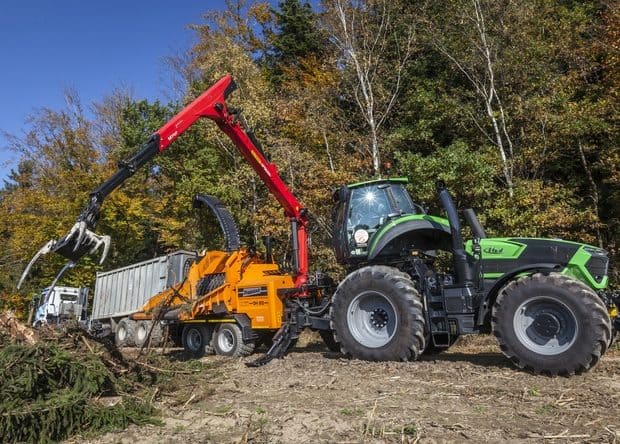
column 552, row 324
column 377, row 315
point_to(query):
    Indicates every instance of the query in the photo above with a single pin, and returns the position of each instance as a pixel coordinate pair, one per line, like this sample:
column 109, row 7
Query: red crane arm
column 212, row 105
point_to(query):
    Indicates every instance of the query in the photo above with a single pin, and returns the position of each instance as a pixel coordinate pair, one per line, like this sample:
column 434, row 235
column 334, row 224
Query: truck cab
column 59, row 304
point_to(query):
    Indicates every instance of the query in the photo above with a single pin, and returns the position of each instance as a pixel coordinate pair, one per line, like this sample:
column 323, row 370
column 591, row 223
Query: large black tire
column 551, row 324
column 197, row 339
column 125, row 334
column 142, row 334
column 228, row 341
column 377, row 315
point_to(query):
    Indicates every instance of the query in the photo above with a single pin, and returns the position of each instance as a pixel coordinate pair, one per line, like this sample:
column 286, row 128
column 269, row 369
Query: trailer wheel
column 551, row 324
column 197, row 339
column 228, row 341
column 142, row 334
column 377, row 315
column 125, row 334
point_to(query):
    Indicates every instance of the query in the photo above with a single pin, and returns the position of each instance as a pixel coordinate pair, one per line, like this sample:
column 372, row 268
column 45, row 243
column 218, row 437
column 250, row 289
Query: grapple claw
column 107, row 241
column 44, row 250
column 101, row 240
column 78, row 242
column 81, row 230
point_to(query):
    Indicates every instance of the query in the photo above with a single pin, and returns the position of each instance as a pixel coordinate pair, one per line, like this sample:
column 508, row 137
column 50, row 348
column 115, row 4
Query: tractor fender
column 225, row 219
column 421, row 234
column 489, row 299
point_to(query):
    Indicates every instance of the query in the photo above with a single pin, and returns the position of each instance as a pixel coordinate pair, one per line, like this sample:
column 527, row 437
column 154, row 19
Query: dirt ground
column 469, row 393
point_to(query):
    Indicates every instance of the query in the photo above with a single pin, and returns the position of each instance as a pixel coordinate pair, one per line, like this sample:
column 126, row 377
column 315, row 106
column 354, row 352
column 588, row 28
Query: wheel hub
column 194, row 340
column 547, row 325
column 379, row 318
column 226, row 341
column 372, row 319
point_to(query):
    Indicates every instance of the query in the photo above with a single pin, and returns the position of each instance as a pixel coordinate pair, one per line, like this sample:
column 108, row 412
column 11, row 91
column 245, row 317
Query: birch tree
column 376, row 44
column 476, row 57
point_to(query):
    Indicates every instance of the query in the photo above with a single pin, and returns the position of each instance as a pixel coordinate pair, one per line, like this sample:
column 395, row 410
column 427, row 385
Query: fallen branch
column 157, row 369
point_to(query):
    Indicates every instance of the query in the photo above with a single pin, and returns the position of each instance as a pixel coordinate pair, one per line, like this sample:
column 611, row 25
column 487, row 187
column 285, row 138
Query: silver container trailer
column 122, row 292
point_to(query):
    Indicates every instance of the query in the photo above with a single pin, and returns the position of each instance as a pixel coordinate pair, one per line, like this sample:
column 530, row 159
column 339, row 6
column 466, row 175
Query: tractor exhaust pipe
column 474, row 223
column 462, row 269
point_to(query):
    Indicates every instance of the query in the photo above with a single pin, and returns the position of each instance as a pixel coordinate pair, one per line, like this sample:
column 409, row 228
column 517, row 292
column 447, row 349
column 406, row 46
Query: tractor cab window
column 368, row 208
column 404, row 204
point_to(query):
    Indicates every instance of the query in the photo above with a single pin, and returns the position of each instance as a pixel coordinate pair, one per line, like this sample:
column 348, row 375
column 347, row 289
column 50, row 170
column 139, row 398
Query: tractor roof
column 378, row 181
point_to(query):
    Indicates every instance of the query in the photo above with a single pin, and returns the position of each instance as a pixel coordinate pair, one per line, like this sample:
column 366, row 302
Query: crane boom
column 211, row 105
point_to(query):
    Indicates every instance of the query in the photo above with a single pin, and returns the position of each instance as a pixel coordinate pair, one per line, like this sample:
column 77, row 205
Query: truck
column 121, row 292
column 118, row 294
column 546, row 300
column 57, row 305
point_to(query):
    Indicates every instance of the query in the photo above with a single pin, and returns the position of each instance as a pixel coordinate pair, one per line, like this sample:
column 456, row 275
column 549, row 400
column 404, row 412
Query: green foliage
column 295, row 38
column 48, row 394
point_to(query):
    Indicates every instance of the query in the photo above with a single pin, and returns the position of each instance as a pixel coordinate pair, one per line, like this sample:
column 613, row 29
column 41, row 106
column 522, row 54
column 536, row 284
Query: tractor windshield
column 371, row 206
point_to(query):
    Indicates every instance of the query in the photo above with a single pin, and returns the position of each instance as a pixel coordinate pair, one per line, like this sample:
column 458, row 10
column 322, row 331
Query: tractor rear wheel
column 377, row 315
column 552, row 324
column 197, row 339
column 228, row 341
column 125, row 335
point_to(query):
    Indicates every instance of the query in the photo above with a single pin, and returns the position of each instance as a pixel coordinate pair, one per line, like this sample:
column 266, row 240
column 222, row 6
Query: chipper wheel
column 125, row 334
column 377, row 315
column 228, row 341
column 551, row 324
column 197, row 339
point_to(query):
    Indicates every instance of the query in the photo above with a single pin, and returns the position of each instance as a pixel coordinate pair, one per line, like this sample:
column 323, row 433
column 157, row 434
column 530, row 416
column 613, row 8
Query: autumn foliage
column 544, row 89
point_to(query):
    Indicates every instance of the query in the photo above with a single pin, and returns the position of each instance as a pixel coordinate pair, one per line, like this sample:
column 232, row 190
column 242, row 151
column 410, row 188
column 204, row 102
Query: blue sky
column 90, row 46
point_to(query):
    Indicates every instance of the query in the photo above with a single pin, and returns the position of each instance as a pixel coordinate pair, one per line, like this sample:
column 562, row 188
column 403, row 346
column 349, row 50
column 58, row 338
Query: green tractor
column 544, row 299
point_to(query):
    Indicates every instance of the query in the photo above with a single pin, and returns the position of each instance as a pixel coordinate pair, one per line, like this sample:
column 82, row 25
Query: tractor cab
column 369, row 216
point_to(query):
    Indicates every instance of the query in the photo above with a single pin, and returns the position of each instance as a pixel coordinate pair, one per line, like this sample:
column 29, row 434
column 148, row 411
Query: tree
column 295, row 38
column 475, row 53
column 60, row 161
column 376, row 44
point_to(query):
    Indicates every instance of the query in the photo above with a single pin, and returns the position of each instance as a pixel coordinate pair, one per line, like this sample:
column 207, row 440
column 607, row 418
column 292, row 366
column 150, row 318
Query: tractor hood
column 582, row 261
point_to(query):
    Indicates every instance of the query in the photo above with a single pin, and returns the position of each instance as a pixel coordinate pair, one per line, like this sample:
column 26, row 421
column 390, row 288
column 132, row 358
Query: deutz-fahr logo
column 493, row 250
